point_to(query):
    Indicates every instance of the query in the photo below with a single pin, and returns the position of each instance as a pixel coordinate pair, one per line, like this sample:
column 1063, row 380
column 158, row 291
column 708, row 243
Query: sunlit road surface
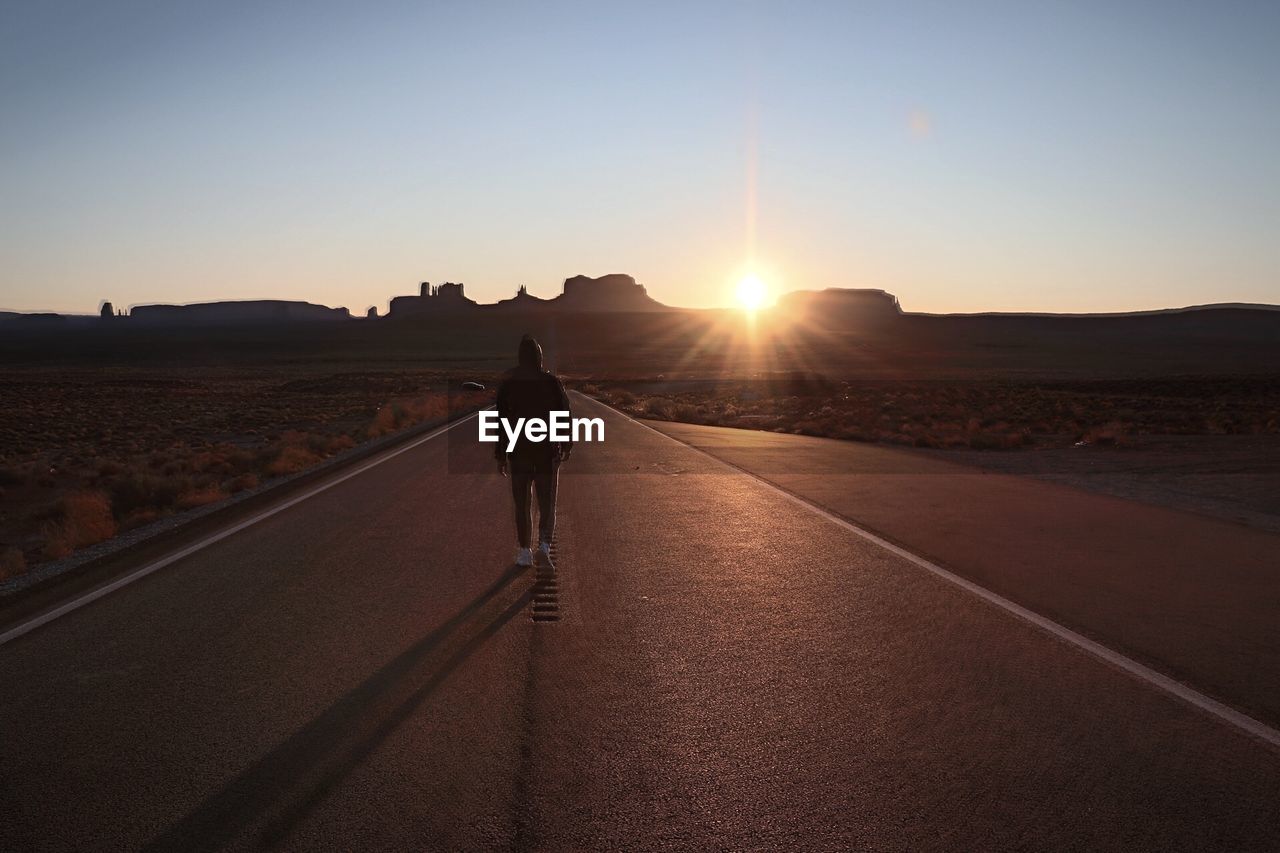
column 729, row 670
column 1195, row 597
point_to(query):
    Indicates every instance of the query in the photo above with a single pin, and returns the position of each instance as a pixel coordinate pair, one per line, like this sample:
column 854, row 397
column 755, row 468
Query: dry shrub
column 659, row 408
column 383, row 422
column 242, row 482
column 291, row 460
column 12, row 563
column 110, row 469
column 305, row 440
column 200, row 497
column 240, row 460
column 430, row 408
column 1112, row 434
column 56, row 544
column 427, row 408
column 139, row 517
column 339, row 443
column 85, row 519
column 88, row 517
column 398, row 414
column 211, row 462
column 139, row 490
column 688, row 413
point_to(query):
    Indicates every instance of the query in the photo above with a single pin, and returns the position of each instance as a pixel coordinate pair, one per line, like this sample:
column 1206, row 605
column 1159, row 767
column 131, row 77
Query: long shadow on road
column 297, row 775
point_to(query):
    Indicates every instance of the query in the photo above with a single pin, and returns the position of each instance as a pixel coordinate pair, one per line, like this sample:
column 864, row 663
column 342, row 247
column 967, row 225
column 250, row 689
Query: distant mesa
column 838, row 307
column 614, row 292
column 42, row 318
column 249, row 312
column 523, row 301
column 447, row 298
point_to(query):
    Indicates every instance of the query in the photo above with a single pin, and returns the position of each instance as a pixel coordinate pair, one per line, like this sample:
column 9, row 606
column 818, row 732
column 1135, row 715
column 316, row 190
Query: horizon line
column 1136, row 312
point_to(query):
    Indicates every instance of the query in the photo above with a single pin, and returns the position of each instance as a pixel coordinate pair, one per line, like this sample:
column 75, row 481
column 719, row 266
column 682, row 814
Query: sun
column 751, row 293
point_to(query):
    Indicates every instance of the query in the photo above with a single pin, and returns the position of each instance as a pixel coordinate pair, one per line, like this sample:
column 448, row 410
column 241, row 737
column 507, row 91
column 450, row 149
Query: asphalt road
column 1193, row 596
column 729, row 670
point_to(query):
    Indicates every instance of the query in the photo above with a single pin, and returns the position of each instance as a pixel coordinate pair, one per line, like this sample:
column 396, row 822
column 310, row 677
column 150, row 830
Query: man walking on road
column 529, row 391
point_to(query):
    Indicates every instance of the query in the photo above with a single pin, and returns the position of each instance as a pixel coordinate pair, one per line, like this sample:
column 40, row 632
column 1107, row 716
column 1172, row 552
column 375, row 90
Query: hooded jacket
column 529, row 391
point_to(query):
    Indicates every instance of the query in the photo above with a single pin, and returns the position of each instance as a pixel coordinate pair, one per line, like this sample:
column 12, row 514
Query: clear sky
column 965, row 156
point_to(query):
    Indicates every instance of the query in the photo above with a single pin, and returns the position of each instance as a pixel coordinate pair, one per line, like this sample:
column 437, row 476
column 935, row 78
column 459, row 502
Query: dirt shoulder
column 1230, row 477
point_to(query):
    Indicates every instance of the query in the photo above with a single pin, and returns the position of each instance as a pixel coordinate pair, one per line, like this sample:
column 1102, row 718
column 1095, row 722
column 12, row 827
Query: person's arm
column 564, row 405
column 502, row 405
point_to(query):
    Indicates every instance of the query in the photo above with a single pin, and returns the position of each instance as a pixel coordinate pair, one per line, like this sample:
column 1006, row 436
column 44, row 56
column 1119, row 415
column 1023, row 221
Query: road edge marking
column 1128, row 665
column 155, row 565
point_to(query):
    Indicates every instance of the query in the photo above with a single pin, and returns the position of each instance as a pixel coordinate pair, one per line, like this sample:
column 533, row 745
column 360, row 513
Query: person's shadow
column 300, row 772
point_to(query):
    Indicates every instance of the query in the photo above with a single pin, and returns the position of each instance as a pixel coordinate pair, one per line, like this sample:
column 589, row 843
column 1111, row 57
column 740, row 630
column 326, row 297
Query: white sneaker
column 544, row 554
column 524, row 557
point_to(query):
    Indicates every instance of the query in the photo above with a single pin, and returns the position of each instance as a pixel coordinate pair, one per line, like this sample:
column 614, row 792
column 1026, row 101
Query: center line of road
column 1142, row 672
column 137, row 574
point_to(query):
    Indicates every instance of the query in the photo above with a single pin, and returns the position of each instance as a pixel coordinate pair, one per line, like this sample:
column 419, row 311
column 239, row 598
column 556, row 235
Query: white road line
column 107, row 589
column 1160, row 681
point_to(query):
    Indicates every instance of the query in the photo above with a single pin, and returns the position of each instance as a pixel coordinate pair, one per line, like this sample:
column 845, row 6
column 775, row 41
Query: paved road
column 1193, row 596
column 730, row 670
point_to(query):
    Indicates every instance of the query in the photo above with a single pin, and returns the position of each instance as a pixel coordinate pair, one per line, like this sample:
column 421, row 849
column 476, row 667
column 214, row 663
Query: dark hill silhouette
column 614, row 292
column 235, row 313
column 45, row 319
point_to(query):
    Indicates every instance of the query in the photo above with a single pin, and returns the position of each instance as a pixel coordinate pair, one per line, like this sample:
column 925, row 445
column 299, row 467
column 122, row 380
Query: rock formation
column 614, row 292
column 447, row 298
column 522, row 301
column 237, row 313
column 838, row 307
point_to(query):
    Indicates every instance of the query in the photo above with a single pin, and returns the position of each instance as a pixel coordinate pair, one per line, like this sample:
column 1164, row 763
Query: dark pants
column 541, row 472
